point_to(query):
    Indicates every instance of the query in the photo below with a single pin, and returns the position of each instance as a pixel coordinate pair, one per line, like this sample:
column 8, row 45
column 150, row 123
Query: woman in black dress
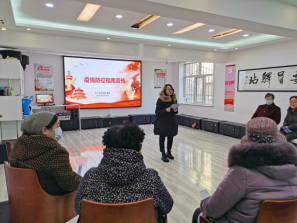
column 166, row 124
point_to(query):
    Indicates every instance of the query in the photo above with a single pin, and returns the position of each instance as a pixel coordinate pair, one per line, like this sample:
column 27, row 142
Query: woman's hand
column 168, row 109
column 175, row 110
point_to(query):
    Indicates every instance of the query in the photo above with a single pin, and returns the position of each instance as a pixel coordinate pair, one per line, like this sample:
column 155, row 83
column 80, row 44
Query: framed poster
column 160, row 77
column 268, row 79
column 229, row 88
column 43, row 77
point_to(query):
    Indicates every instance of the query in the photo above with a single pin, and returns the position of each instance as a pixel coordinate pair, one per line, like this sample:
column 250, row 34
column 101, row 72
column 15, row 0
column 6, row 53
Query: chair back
column 9, row 147
column 275, row 211
column 28, row 202
column 135, row 212
column 203, row 220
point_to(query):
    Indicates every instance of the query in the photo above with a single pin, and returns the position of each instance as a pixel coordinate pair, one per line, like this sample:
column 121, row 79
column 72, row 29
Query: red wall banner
column 229, row 88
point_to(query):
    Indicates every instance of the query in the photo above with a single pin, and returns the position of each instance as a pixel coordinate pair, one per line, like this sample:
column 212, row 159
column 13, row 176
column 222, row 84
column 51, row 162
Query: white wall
column 271, row 55
column 149, row 94
column 280, row 54
column 102, row 48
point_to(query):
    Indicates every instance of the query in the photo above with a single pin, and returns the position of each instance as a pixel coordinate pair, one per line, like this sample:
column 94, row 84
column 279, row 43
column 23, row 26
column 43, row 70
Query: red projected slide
column 100, row 83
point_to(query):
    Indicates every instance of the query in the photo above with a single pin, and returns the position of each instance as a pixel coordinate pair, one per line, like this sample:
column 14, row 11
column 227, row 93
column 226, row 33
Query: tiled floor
column 200, row 163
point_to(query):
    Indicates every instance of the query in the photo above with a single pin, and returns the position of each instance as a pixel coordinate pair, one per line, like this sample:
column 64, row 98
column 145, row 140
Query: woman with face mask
column 38, row 149
column 269, row 109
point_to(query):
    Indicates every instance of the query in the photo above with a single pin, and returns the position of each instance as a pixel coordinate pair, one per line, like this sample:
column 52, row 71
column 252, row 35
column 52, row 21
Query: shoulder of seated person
column 152, row 172
column 59, row 151
column 237, row 169
column 92, row 172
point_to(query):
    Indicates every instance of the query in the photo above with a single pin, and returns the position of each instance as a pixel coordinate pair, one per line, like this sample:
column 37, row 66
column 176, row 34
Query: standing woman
column 166, row 124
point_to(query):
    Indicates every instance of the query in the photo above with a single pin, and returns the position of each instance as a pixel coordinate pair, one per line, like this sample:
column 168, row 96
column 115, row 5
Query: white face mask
column 58, row 133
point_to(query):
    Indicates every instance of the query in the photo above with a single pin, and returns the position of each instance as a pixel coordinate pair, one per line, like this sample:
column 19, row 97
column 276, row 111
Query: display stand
column 11, row 75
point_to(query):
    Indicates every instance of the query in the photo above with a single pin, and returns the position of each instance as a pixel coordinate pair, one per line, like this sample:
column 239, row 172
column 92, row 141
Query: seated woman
column 262, row 127
column 290, row 121
column 269, row 109
column 122, row 176
column 263, row 168
column 38, row 150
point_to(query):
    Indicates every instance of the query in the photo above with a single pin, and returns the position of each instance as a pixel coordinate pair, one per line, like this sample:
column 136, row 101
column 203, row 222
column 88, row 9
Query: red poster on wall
column 229, row 88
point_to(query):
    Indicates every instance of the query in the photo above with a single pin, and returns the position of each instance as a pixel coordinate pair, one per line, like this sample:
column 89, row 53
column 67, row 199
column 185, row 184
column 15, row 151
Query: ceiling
column 290, row 2
column 61, row 20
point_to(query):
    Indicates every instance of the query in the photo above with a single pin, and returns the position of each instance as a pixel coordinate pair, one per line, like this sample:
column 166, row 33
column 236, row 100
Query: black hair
column 128, row 136
column 269, row 95
column 52, row 123
column 293, row 97
column 165, row 87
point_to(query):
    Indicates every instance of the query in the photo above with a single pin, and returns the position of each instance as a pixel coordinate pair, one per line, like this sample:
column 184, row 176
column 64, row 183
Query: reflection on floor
column 200, row 163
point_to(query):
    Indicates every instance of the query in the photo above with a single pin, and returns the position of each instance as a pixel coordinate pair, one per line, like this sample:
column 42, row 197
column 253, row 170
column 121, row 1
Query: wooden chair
column 204, row 220
column 135, row 212
column 278, row 211
column 273, row 211
column 9, row 147
column 29, row 203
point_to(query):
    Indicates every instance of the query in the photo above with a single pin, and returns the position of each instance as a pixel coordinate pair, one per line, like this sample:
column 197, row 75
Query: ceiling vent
column 227, row 33
column 148, row 19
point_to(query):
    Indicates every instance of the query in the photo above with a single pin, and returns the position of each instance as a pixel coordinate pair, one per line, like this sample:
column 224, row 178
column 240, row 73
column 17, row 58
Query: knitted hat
column 33, row 124
column 264, row 129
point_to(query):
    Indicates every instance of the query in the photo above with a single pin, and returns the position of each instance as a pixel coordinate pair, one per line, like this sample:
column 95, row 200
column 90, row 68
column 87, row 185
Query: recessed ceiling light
column 28, row 29
column 169, row 24
column 246, row 35
column 108, row 38
column 215, row 49
column 3, row 28
column 169, row 44
column 236, row 48
column 211, row 30
column 119, row 16
column 50, row 5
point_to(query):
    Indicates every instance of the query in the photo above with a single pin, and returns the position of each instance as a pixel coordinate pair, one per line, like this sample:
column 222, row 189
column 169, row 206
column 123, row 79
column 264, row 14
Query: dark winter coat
column 257, row 172
column 166, row 123
column 49, row 159
column 291, row 120
column 269, row 111
column 122, row 177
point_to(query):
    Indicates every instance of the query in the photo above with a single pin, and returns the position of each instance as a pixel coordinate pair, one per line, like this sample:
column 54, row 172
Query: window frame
column 196, row 77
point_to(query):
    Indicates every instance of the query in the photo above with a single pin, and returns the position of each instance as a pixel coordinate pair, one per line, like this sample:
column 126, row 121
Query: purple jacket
column 257, row 172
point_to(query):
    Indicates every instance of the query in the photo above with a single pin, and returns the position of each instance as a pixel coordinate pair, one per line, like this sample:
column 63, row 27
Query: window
column 198, row 83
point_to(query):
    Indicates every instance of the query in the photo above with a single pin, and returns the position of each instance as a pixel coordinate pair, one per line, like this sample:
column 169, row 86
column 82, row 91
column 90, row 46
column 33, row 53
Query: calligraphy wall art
column 268, row 79
column 229, row 88
column 43, row 77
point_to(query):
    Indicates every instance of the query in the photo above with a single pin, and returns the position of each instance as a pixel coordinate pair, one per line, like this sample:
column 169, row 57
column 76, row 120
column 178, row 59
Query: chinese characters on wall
column 272, row 79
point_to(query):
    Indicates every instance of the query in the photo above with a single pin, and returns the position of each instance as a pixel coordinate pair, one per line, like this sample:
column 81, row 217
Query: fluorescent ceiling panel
column 88, row 12
column 189, row 28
